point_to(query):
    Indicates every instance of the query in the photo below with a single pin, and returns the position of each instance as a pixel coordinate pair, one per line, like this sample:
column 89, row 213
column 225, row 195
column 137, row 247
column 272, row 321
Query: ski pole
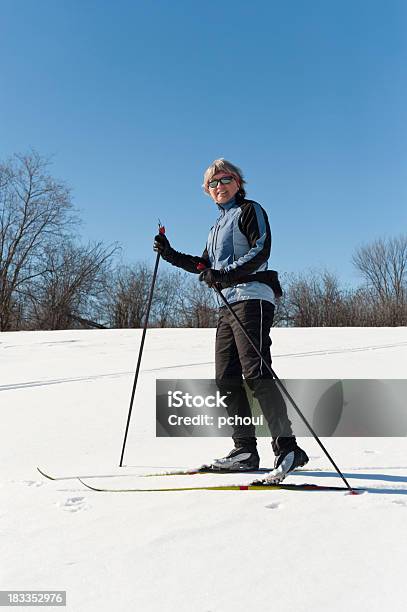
column 277, row 380
column 161, row 230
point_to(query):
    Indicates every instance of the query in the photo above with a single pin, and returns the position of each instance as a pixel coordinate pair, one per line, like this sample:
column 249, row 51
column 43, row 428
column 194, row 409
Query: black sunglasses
column 225, row 180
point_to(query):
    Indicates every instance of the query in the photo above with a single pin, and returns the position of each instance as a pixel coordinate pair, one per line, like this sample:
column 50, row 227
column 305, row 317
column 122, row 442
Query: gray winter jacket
column 240, row 244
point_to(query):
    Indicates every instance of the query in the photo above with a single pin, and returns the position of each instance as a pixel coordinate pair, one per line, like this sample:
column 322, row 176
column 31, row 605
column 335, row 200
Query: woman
column 237, row 249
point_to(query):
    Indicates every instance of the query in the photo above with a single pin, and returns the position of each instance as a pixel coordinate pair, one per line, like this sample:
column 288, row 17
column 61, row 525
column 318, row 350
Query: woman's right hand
column 161, row 245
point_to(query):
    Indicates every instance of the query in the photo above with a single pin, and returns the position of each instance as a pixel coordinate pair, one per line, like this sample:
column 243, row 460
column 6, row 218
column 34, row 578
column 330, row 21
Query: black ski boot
column 285, row 463
column 238, row 460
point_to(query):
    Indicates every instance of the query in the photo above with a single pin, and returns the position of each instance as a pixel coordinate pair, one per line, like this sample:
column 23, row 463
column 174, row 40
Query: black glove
column 162, row 245
column 212, row 277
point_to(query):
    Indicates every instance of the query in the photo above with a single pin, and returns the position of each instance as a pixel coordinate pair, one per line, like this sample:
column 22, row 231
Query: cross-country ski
column 259, row 486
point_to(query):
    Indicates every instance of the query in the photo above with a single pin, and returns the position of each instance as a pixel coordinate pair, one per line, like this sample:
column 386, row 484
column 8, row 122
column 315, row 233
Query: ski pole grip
column 161, row 229
column 201, row 267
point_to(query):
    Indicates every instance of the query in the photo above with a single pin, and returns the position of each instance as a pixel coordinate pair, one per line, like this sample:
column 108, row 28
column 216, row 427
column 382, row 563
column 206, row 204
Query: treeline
column 316, row 299
column 50, row 280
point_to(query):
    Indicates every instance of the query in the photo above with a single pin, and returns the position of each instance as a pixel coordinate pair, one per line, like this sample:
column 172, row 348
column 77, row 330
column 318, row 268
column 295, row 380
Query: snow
column 64, row 403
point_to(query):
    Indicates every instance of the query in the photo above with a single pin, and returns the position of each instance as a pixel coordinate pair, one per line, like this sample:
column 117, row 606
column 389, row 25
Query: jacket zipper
column 215, row 237
column 215, row 241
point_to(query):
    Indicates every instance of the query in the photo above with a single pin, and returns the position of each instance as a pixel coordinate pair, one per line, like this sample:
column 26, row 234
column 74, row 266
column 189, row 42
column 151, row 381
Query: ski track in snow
column 59, row 381
column 338, row 351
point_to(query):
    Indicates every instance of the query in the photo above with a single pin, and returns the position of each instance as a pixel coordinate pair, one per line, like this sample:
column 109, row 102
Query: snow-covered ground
column 64, row 400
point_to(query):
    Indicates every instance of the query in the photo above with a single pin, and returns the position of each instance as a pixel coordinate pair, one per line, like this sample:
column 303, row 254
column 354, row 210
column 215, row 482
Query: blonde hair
column 223, row 165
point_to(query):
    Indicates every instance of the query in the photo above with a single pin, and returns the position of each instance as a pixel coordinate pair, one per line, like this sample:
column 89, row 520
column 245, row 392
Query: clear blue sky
column 134, row 99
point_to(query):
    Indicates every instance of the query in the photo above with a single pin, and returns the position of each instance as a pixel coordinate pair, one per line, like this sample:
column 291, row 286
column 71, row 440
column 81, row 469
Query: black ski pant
column 236, row 357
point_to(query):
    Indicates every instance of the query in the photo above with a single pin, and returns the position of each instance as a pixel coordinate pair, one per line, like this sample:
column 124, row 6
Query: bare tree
column 169, row 287
column 383, row 266
column 126, row 296
column 282, row 304
column 35, row 212
column 69, row 290
column 314, row 299
column 197, row 306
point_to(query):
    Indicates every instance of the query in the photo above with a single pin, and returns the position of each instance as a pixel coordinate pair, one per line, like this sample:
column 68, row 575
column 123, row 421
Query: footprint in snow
column 33, row 483
column 399, row 502
column 74, row 504
column 274, row 506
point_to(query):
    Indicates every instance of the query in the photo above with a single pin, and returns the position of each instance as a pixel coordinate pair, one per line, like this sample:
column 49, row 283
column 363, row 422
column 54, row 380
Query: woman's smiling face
column 222, row 193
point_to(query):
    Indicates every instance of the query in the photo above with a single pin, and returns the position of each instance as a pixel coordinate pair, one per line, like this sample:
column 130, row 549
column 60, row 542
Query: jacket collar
column 227, row 205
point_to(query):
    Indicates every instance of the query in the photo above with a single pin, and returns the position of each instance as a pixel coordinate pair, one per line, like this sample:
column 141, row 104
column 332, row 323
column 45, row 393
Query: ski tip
column 88, row 486
column 44, row 474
